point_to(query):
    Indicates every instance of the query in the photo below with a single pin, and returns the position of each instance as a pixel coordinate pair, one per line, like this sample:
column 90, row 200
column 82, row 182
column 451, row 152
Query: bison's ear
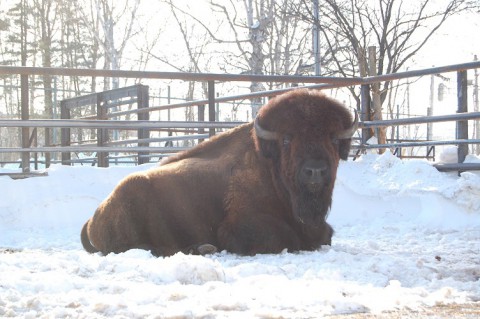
column 267, row 148
column 344, row 148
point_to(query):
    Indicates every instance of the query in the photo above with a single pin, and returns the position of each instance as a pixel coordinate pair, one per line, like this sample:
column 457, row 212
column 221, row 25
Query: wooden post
column 25, row 112
column 25, row 117
column 476, row 106
column 211, row 105
column 65, row 132
column 102, row 134
column 365, row 113
column 33, row 141
column 201, row 118
column 143, row 103
column 462, row 126
column 430, row 107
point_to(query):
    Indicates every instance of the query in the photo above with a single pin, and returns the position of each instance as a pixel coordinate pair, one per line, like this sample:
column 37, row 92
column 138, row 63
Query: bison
column 262, row 187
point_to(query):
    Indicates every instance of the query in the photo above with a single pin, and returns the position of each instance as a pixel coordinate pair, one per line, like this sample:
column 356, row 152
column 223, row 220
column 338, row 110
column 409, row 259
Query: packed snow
column 407, row 237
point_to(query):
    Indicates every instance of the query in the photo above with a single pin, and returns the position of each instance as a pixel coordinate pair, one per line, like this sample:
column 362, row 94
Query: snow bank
column 407, row 236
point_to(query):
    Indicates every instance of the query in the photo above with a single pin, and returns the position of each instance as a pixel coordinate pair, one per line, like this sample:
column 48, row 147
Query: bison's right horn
column 348, row 133
column 263, row 133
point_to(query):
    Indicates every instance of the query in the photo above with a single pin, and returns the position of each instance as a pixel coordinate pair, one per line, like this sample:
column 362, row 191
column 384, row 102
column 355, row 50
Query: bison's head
column 305, row 134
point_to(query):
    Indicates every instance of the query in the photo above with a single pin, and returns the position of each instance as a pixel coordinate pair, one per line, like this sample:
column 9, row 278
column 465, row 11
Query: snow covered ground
column 407, row 237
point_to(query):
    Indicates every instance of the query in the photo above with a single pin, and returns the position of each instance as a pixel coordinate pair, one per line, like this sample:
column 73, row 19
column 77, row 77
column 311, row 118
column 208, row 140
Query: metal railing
column 318, row 82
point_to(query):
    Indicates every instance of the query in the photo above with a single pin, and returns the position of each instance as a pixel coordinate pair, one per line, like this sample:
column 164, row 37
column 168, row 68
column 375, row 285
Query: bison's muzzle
column 314, row 174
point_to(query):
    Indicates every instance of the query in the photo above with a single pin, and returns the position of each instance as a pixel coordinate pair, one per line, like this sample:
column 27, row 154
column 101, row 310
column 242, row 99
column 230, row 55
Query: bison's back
column 166, row 209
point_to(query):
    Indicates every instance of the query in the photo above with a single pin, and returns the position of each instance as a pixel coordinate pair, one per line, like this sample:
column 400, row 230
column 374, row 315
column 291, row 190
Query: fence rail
column 127, row 125
column 105, row 122
column 219, row 77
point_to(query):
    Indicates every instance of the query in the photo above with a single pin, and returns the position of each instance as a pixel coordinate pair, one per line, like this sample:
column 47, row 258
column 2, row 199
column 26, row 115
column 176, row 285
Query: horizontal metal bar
column 177, row 75
column 80, row 101
column 457, row 167
column 49, row 149
column 119, row 103
column 417, row 73
column 422, row 119
column 104, row 96
column 414, row 144
column 160, row 139
column 234, row 77
column 225, row 99
column 125, row 125
column 355, row 81
column 132, row 125
column 153, row 149
column 328, row 82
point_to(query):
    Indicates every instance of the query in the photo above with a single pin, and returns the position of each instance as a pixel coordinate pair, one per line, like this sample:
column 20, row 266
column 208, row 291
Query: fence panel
column 108, row 111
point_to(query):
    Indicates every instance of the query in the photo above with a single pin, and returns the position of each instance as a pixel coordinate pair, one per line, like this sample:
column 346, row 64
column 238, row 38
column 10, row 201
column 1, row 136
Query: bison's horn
column 348, row 133
column 263, row 133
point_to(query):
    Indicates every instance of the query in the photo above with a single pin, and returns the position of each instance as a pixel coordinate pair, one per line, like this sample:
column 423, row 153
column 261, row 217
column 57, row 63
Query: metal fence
column 103, row 121
column 102, row 105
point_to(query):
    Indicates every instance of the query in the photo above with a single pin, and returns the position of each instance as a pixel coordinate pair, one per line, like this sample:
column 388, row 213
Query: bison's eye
column 286, row 140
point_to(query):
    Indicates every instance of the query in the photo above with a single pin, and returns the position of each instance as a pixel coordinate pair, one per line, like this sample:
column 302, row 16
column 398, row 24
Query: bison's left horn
column 263, row 133
column 348, row 133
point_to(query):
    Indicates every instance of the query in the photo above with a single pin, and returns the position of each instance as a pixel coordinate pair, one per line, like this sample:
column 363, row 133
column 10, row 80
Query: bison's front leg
column 256, row 234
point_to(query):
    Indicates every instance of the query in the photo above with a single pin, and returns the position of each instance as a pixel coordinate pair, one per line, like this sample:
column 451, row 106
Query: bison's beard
column 312, row 207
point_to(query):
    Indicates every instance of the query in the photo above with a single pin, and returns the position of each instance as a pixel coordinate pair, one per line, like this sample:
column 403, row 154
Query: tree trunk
column 46, row 49
column 380, row 132
column 257, row 36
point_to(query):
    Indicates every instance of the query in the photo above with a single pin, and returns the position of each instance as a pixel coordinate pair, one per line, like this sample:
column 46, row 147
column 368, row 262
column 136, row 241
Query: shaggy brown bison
column 259, row 188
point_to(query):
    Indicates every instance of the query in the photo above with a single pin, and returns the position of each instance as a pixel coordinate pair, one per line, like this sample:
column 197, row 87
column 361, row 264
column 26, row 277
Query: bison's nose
column 314, row 172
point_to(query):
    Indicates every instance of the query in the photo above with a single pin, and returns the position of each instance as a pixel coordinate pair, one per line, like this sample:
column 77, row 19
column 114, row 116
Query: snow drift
column 406, row 236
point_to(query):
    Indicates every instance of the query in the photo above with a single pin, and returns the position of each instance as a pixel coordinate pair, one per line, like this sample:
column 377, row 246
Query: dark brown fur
column 235, row 191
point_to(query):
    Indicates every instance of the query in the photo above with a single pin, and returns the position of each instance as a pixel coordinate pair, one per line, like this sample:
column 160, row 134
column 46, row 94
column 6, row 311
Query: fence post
column 211, row 105
column 25, row 117
column 201, row 118
column 65, row 132
column 365, row 113
column 143, row 103
column 102, row 134
column 462, row 126
column 33, row 140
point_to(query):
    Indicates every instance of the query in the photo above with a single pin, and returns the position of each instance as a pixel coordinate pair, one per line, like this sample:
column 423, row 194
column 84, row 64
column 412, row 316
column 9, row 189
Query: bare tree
column 194, row 51
column 397, row 30
column 102, row 19
column 46, row 19
column 256, row 37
